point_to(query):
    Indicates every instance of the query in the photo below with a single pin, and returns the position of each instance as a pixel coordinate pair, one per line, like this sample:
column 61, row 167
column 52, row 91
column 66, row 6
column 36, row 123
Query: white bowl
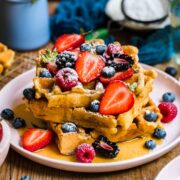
column 5, row 142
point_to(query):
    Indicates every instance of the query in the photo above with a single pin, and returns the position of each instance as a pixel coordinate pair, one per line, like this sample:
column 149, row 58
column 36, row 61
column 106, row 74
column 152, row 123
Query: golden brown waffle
column 87, row 119
column 54, row 105
column 139, row 127
column 67, row 142
column 6, row 57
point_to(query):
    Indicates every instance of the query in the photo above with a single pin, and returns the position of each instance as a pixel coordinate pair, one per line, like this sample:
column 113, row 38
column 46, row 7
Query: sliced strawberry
column 68, row 41
column 52, row 68
column 118, row 76
column 116, row 99
column 89, row 66
column 1, row 132
column 35, row 138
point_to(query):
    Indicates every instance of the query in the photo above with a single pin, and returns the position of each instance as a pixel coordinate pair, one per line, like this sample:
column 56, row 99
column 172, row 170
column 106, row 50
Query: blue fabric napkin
column 72, row 16
column 157, row 48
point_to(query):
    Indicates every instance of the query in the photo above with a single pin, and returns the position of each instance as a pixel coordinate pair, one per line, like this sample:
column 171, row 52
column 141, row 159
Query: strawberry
column 52, row 68
column 1, row 132
column 35, row 138
column 89, row 66
column 68, row 41
column 118, row 76
column 116, row 99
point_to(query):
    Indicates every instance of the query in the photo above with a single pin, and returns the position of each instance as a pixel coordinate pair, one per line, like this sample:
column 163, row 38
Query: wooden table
column 17, row 166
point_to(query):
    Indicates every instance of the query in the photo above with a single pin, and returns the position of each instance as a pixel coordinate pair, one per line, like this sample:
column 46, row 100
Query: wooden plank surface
column 17, row 166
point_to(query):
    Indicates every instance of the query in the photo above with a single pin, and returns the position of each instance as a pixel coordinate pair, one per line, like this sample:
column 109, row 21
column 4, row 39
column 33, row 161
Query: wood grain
column 16, row 166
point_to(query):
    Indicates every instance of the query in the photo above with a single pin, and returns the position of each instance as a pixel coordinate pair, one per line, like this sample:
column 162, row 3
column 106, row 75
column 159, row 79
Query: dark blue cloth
column 72, row 16
column 157, row 48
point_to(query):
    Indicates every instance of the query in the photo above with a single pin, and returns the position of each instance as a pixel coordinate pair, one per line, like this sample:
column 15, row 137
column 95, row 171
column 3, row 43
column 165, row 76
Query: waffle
column 6, row 57
column 139, row 127
column 79, row 114
column 65, row 146
column 57, row 107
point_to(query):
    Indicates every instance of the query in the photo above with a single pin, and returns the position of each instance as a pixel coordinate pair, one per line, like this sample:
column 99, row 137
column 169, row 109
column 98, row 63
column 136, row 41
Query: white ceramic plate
column 5, row 142
column 11, row 96
column 170, row 171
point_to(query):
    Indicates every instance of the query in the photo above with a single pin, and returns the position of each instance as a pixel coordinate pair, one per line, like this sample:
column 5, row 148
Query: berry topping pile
column 105, row 147
column 85, row 153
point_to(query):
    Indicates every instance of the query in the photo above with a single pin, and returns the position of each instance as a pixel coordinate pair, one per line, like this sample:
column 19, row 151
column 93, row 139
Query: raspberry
column 114, row 49
column 85, row 153
column 66, row 78
column 168, row 110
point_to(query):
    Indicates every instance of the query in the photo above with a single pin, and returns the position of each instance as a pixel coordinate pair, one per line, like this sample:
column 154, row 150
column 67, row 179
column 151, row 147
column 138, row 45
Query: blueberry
column 94, row 106
column 85, row 47
column 7, row 114
column 171, row 71
column 159, row 133
column 108, row 72
column 25, row 178
column 168, row 97
column 69, row 127
column 18, row 123
column 150, row 144
column 45, row 73
column 29, row 93
column 151, row 116
column 100, row 49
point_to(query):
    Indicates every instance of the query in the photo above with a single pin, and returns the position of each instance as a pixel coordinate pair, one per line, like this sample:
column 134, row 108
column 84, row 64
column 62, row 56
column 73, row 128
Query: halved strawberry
column 35, row 138
column 1, row 132
column 68, row 41
column 118, row 76
column 116, row 99
column 89, row 66
column 52, row 68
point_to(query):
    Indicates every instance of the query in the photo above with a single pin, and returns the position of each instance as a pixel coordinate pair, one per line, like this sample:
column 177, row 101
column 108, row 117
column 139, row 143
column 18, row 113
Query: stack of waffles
column 6, row 57
column 57, row 107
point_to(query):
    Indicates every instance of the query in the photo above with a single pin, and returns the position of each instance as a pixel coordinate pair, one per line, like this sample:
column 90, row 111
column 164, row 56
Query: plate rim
column 165, row 168
column 139, row 160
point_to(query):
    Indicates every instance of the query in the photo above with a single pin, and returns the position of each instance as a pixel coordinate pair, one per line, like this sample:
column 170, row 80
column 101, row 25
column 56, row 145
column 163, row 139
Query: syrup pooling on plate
column 128, row 150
